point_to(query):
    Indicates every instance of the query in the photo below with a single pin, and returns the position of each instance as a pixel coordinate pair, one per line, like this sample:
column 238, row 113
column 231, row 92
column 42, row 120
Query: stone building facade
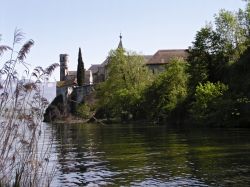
column 162, row 57
column 68, row 80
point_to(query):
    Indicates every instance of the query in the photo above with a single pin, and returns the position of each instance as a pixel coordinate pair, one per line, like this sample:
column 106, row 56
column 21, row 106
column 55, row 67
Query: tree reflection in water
column 140, row 155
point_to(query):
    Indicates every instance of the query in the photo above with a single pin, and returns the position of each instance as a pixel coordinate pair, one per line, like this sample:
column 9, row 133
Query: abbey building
column 155, row 62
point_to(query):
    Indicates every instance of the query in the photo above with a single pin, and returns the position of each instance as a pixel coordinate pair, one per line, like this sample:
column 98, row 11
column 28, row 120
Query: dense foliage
column 219, row 70
column 121, row 94
column 211, row 88
column 208, row 98
column 167, row 92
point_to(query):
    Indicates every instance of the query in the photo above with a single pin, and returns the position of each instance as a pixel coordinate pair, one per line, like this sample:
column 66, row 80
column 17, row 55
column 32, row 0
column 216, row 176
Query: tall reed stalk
column 24, row 157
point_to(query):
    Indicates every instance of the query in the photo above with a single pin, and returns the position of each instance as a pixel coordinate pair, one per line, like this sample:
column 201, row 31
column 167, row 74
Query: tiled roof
column 105, row 62
column 147, row 58
column 164, row 56
column 87, row 73
column 65, row 83
column 70, row 73
column 94, row 68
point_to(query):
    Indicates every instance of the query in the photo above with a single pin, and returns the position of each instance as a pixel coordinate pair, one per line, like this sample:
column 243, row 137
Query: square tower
column 63, row 66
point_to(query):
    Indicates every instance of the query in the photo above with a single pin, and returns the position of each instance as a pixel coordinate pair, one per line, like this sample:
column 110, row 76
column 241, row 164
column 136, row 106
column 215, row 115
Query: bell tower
column 120, row 46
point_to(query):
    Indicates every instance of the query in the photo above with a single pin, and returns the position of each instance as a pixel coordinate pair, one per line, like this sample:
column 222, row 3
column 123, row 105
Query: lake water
column 149, row 155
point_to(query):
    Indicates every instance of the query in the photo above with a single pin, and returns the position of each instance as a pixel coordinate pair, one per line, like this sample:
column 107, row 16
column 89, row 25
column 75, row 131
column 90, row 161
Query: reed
column 24, row 157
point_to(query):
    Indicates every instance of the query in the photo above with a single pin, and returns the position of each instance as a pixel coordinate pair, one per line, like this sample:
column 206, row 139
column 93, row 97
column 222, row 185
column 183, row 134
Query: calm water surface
column 144, row 155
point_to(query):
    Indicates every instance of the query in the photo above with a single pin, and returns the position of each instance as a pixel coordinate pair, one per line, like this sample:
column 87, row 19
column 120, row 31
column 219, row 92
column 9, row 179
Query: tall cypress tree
column 80, row 69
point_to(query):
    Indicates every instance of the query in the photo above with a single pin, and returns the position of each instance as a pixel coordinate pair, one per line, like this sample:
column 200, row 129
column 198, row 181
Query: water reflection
column 137, row 155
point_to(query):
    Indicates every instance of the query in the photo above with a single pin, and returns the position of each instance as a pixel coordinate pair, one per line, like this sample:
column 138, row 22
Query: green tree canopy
column 209, row 102
column 127, row 78
column 217, row 47
column 168, row 91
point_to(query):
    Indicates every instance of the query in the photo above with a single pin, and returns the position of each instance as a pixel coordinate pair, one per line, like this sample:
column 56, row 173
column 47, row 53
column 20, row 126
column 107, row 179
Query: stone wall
column 65, row 92
column 82, row 91
column 156, row 68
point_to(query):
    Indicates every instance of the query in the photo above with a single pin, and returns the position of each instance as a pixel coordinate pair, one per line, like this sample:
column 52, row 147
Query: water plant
column 24, row 157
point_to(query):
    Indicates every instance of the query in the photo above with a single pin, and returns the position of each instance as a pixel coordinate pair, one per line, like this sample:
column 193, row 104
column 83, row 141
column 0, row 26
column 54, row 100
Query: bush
column 167, row 92
column 83, row 110
column 208, row 99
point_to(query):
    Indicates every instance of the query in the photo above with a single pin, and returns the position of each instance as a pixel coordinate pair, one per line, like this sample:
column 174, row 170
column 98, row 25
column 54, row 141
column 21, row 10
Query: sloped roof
column 94, row 68
column 70, row 73
column 147, row 58
column 88, row 73
column 164, row 56
column 120, row 46
column 66, row 83
column 105, row 62
column 71, row 76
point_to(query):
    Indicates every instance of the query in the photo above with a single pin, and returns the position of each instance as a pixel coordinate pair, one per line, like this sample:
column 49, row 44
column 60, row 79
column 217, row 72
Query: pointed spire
column 120, row 46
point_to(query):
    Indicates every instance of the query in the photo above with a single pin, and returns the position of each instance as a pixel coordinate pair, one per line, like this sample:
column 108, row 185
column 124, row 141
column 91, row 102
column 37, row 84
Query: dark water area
column 149, row 155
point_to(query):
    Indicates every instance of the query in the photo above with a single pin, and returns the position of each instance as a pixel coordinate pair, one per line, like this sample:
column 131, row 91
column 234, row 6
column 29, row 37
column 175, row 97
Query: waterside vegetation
column 211, row 87
column 24, row 157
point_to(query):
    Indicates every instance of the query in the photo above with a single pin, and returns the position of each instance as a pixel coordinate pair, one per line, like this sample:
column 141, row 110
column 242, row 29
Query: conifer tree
column 80, row 69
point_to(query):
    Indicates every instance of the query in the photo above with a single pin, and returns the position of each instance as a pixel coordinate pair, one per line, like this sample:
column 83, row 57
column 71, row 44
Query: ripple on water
column 175, row 182
column 123, row 155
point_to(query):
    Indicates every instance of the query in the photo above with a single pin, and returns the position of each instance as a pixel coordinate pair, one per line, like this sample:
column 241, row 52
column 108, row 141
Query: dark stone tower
column 63, row 66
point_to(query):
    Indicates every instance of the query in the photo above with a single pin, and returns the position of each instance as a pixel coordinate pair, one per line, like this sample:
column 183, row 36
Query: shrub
column 83, row 110
column 167, row 92
column 208, row 98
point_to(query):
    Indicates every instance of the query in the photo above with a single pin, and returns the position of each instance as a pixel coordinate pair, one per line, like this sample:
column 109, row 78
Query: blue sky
column 62, row 26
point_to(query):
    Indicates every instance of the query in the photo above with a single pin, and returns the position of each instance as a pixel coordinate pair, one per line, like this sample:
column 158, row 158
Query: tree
column 218, row 63
column 217, row 47
column 167, row 92
column 241, row 71
column 203, row 56
column 80, row 70
column 232, row 28
column 121, row 93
